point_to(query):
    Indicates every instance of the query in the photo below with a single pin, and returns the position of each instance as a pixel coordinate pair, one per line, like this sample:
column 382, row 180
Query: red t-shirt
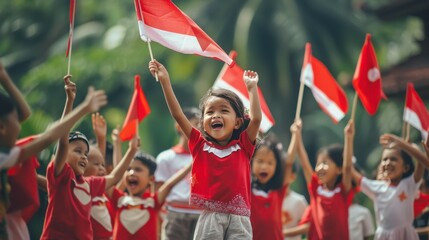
column 221, row 174
column 102, row 217
column 266, row 217
column 420, row 203
column 329, row 211
column 136, row 217
column 69, row 206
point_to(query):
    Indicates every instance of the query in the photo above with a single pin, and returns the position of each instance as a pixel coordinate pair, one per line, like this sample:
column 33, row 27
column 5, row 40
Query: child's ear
column 238, row 123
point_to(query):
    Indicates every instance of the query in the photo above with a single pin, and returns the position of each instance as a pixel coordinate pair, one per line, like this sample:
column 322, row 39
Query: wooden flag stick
column 354, row 107
column 299, row 103
column 407, row 132
column 151, row 56
column 71, row 38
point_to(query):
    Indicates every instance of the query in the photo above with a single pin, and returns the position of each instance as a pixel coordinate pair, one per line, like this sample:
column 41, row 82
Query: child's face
column 96, row 164
column 220, row 119
column 264, row 164
column 326, row 170
column 78, row 156
column 10, row 129
column 137, row 178
column 392, row 165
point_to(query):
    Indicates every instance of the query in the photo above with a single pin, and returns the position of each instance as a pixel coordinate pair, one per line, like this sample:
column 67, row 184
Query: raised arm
column 251, row 79
column 93, row 101
column 117, row 147
column 100, row 131
column 349, row 133
column 390, row 140
column 118, row 172
column 292, row 150
column 165, row 188
column 60, row 156
column 303, row 158
column 21, row 105
column 172, row 103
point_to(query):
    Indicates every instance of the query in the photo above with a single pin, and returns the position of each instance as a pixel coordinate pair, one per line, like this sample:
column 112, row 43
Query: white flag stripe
column 266, row 124
column 307, row 76
column 413, row 119
column 180, row 42
column 334, row 111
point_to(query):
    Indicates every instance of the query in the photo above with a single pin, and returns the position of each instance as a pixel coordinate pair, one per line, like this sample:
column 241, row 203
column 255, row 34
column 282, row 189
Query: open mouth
column 82, row 164
column 132, row 183
column 217, row 125
column 263, row 175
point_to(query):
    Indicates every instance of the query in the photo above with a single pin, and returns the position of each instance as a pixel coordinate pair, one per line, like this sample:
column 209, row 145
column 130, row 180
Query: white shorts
column 214, row 225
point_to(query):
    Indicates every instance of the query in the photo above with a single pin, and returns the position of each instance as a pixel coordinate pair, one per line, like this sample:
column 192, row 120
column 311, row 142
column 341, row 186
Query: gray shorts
column 179, row 226
column 213, row 225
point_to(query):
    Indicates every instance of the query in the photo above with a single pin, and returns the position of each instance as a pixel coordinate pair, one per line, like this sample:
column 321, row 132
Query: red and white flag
column 163, row 22
column 415, row 112
column 231, row 78
column 139, row 109
column 367, row 78
column 330, row 96
column 71, row 17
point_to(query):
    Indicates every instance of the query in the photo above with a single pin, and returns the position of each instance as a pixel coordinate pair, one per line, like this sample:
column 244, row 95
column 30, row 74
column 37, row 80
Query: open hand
column 99, row 125
column 95, row 99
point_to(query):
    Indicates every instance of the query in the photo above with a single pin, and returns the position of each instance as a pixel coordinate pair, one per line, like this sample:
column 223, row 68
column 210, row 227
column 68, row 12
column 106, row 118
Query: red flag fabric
column 231, row 78
column 415, row 112
column 139, row 109
column 24, row 194
column 327, row 92
column 367, row 78
column 163, row 22
column 71, row 16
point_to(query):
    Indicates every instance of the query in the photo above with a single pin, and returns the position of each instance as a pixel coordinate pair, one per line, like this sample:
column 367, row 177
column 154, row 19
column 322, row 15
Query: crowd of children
column 222, row 180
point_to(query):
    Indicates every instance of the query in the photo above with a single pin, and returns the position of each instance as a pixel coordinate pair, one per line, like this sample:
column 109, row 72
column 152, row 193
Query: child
column 68, row 187
column 269, row 186
column 181, row 218
column 294, row 205
column 221, row 150
column 330, row 189
column 12, row 111
column 393, row 196
column 137, row 211
column 101, row 210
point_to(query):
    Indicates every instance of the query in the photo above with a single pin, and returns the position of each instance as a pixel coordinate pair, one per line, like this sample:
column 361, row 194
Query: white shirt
column 361, row 224
column 8, row 160
column 170, row 162
column 393, row 207
column 293, row 207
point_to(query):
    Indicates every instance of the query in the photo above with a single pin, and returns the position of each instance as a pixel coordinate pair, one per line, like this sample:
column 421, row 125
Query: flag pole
column 299, row 103
column 407, row 132
column 69, row 51
column 151, row 56
column 354, row 107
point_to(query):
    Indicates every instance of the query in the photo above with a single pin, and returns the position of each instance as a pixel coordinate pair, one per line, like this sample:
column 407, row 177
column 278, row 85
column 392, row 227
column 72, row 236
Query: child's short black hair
column 276, row 182
column 7, row 105
column 147, row 160
column 192, row 112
